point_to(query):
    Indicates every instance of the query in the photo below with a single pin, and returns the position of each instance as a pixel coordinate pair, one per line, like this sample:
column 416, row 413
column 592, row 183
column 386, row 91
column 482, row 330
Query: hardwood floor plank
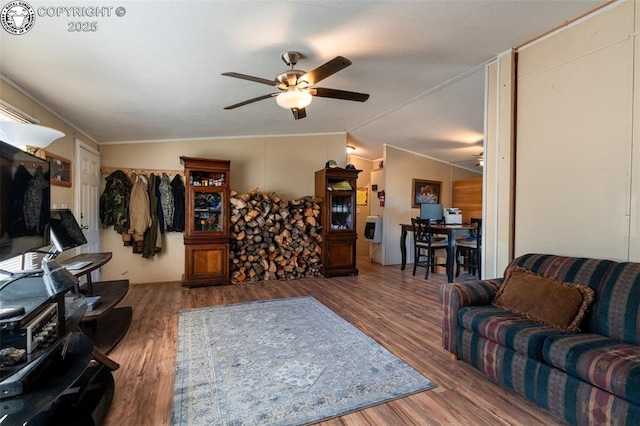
column 147, row 357
column 398, row 310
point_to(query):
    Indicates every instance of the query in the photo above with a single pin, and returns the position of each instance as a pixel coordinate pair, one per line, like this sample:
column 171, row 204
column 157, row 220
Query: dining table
column 451, row 231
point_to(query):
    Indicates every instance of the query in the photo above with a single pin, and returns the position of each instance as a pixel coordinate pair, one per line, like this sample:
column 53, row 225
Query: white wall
column 364, row 181
column 498, row 179
column 634, row 213
column 489, row 180
column 376, row 253
column 576, row 166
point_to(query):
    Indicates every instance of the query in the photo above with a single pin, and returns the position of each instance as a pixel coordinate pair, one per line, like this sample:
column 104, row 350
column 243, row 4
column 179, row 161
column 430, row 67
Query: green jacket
column 114, row 202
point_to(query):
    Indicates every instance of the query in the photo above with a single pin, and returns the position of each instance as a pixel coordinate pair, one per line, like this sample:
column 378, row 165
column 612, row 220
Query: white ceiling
column 154, row 73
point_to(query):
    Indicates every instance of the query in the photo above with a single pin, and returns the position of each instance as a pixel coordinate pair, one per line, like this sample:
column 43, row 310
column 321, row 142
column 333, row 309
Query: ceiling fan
column 479, row 160
column 297, row 86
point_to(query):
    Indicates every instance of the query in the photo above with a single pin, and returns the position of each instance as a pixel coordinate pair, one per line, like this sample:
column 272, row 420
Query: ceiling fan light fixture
column 293, row 99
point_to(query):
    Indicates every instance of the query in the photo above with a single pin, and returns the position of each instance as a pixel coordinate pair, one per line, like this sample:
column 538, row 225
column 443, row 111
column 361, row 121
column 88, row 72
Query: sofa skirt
column 565, row 397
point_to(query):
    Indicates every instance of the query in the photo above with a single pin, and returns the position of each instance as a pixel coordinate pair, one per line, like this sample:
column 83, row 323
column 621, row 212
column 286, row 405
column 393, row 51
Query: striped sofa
column 588, row 378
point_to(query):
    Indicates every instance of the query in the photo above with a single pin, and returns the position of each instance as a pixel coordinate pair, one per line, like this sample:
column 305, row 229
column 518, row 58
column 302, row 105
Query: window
column 19, row 263
column 9, row 113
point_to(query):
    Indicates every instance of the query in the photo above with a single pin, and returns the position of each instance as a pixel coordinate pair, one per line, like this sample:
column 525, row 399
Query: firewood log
column 272, row 238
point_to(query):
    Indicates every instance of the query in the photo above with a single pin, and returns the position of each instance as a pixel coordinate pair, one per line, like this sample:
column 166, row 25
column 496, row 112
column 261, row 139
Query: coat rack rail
column 139, row 171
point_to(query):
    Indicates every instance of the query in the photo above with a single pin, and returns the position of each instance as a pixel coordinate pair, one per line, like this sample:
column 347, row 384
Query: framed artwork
column 362, row 195
column 59, row 168
column 425, row 192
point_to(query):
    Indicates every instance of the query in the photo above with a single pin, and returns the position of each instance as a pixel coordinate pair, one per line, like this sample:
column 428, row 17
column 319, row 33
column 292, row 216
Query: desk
column 96, row 259
column 106, row 324
column 450, row 230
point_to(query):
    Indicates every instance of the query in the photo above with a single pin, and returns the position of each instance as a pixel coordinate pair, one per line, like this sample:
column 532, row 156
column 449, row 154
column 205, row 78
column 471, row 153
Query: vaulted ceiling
column 152, row 69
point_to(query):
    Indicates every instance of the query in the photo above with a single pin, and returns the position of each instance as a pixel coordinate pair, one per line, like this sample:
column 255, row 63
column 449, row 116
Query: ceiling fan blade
column 325, row 70
column 250, row 101
column 251, row 78
column 299, row 113
column 339, row 94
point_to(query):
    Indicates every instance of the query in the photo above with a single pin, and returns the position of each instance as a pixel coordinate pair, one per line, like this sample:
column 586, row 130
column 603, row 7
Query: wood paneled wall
column 467, row 196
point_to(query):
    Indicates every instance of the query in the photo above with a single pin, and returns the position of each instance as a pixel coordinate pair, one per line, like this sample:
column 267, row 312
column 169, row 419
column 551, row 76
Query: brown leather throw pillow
column 547, row 300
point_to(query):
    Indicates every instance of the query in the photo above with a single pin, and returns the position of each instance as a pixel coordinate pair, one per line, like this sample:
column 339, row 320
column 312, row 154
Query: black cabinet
column 63, row 388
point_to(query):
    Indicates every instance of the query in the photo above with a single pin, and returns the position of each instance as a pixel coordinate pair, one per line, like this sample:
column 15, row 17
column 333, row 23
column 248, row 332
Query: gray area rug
column 280, row 362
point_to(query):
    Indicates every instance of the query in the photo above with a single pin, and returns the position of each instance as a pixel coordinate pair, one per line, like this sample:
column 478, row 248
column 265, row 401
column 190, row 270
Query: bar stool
column 424, row 246
column 470, row 248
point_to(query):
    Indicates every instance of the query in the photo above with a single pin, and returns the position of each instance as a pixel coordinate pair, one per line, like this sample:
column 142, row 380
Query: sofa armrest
column 458, row 295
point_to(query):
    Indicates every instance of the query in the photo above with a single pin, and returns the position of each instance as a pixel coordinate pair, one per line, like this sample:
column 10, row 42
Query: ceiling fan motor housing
column 290, row 78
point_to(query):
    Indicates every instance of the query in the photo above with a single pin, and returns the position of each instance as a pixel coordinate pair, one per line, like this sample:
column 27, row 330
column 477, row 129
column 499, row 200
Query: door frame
column 78, row 144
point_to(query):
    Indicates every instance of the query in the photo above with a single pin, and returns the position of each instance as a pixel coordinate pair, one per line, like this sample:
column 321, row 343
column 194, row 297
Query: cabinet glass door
column 207, row 210
column 208, row 198
column 207, row 178
column 341, row 211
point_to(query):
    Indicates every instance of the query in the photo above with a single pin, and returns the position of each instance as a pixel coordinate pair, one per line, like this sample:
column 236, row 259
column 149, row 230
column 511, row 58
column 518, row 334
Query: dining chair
column 425, row 246
column 469, row 250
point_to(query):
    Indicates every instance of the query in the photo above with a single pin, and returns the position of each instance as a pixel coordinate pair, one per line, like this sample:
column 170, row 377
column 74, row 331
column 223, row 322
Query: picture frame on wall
column 59, row 168
column 425, row 192
column 362, row 195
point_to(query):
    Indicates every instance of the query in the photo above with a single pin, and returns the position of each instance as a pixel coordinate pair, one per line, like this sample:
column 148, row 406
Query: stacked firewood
column 274, row 239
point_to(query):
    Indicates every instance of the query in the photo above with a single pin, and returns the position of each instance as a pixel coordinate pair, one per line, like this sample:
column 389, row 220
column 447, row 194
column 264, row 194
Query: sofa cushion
column 616, row 313
column 508, row 329
column 502, row 365
column 591, row 272
column 609, row 364
column 547, row 300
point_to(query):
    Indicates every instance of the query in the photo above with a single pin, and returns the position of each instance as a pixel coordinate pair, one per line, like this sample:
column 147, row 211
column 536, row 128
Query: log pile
column 273, row 239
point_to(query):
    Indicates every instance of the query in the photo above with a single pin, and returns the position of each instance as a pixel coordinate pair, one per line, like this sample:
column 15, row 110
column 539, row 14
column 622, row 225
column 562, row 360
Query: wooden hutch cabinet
column 337, row 189
column 206, row 234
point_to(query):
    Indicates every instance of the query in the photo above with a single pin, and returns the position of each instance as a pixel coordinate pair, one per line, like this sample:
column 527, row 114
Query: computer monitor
column 431, row 211
column 65, row 231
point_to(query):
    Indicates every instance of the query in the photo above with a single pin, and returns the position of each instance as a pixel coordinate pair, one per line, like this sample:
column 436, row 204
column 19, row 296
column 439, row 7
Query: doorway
column 88, row 197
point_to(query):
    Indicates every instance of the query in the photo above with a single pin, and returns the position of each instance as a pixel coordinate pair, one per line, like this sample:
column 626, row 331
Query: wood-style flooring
column 400, row 311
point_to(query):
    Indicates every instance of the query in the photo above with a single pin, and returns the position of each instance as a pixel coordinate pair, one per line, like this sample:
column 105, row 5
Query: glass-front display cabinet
column 341, row 210
column 206, row 237
column 208, row 212
column 337, row 189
